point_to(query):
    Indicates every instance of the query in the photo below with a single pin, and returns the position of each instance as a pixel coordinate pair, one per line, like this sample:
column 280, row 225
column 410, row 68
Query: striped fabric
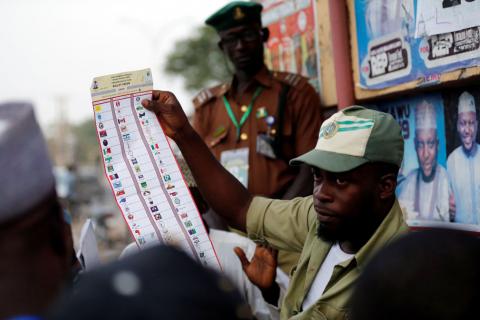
column 345, row 134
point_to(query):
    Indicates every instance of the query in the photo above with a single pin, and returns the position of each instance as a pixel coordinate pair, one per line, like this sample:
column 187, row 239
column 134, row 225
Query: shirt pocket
column 284, row 135
column 322, row 310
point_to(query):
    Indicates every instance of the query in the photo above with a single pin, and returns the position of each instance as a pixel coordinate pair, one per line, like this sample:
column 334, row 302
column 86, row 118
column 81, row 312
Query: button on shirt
column 292, row 225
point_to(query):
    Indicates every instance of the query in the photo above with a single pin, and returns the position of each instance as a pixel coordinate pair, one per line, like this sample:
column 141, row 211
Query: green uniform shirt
column 292, row 225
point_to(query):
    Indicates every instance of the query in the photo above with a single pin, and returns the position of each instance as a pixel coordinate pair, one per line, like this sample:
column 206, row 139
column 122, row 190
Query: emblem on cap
column 238, row 14
column 329, row 130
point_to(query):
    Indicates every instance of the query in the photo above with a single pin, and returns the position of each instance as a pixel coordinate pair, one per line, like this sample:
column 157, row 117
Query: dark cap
column 157, row 283
column 235, row 14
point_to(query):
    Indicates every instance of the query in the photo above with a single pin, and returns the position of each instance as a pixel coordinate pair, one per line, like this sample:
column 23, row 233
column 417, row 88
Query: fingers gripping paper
column 140, row 166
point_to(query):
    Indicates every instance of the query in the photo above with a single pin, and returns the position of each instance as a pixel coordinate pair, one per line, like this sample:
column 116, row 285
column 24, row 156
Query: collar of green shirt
column 335, row 297
column 392, row 225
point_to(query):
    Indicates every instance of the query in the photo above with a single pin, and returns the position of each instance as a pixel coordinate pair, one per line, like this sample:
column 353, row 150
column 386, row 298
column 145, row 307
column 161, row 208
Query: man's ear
column 265, row 34
column 387, row 185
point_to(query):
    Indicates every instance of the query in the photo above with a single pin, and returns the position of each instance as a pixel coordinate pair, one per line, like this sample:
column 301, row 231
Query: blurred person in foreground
column 463, row 164
column 352, row 213
column 36, row 247
column 425, row 275
column 158, row 283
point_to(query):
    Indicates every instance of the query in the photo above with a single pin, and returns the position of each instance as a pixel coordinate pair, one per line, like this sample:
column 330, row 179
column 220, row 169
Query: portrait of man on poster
column 424, row 193
column 463, row 164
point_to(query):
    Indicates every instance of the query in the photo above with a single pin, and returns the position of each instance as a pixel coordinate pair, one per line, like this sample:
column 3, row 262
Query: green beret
column 235, row 14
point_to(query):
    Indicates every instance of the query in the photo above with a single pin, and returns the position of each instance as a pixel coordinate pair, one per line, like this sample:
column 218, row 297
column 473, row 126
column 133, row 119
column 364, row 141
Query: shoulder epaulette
column 206, row 95
column 292, row 79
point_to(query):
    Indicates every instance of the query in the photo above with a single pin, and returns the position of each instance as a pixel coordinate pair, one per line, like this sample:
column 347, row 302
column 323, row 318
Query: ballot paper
column 87, row 252
column 143, row 173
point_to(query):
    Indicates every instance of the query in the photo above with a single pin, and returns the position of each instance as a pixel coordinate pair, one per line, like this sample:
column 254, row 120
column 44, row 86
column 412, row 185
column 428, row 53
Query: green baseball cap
column 235, row 14
column 354, row 136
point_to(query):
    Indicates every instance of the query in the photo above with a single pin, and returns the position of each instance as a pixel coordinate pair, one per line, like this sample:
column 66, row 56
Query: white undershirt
column 334, row 257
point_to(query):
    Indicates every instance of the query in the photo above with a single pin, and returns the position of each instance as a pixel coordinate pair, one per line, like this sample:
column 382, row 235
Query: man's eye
column 341, row 181
column 250, row 35
column 317, row 178
column 229, row 40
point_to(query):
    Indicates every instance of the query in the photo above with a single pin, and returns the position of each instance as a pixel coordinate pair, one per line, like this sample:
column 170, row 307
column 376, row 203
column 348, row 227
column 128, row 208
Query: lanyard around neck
column 244, row 118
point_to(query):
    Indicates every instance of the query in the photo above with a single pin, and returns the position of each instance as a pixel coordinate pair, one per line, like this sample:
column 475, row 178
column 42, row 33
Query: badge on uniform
column 265, row 145
column 261, row 113
column 218, row 132
column 236, row 162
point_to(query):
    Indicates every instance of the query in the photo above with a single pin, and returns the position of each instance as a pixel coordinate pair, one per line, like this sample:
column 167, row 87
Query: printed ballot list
column 142, row 170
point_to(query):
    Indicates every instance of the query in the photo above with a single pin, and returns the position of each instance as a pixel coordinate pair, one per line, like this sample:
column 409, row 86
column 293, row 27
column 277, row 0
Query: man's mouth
column 325, row 216
column 242, row 58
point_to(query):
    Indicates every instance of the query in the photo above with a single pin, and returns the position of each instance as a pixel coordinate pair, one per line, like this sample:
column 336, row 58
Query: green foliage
column 199, row 60
column 87, row 150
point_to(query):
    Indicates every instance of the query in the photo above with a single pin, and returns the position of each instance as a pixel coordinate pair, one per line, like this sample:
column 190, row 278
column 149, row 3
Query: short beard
column 431, row 176
column 324, row 234
column 357, row 229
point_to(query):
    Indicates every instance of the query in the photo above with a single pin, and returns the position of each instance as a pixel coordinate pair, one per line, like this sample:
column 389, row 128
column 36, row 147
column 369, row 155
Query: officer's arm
column 225, row 194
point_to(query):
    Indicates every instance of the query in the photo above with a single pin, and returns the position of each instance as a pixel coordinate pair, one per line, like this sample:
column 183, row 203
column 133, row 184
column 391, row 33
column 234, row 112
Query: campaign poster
column 292, row 45
column 462, row 107
column 390, row 53
column 439, row 180
column 436, row 17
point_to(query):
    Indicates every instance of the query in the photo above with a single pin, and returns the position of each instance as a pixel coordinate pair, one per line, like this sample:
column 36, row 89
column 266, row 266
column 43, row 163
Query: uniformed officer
column 260, row 120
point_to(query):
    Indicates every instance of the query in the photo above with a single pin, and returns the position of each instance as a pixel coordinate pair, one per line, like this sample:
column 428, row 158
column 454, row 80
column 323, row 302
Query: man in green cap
column 352, row 213
column 260, row 120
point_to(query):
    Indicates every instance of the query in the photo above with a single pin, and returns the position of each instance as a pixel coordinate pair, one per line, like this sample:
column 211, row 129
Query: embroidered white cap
column 26, row 173
column 425, row 116
column 354, row 136
column 466, row 103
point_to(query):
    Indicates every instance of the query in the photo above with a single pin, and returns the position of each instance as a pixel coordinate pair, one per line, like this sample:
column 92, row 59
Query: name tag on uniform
column 265, row 146
column 236, row 162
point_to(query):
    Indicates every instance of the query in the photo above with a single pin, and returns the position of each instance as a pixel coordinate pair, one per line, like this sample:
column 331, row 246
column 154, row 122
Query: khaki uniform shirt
column 302, row 119
column 292, row 225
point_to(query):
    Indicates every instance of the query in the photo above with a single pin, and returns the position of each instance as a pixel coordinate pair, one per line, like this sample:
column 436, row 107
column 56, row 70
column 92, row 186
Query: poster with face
column 439, row 181
column 423, row 182
column 292, row 45
column 463, row 162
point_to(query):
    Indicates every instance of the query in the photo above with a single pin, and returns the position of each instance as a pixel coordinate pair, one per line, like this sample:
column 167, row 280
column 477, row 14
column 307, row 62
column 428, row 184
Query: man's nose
column 239, row 44
column 323, row 192
column 423, row 152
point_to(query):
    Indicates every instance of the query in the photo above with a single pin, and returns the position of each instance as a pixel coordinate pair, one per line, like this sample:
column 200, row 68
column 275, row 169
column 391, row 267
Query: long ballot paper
column 140, row 166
